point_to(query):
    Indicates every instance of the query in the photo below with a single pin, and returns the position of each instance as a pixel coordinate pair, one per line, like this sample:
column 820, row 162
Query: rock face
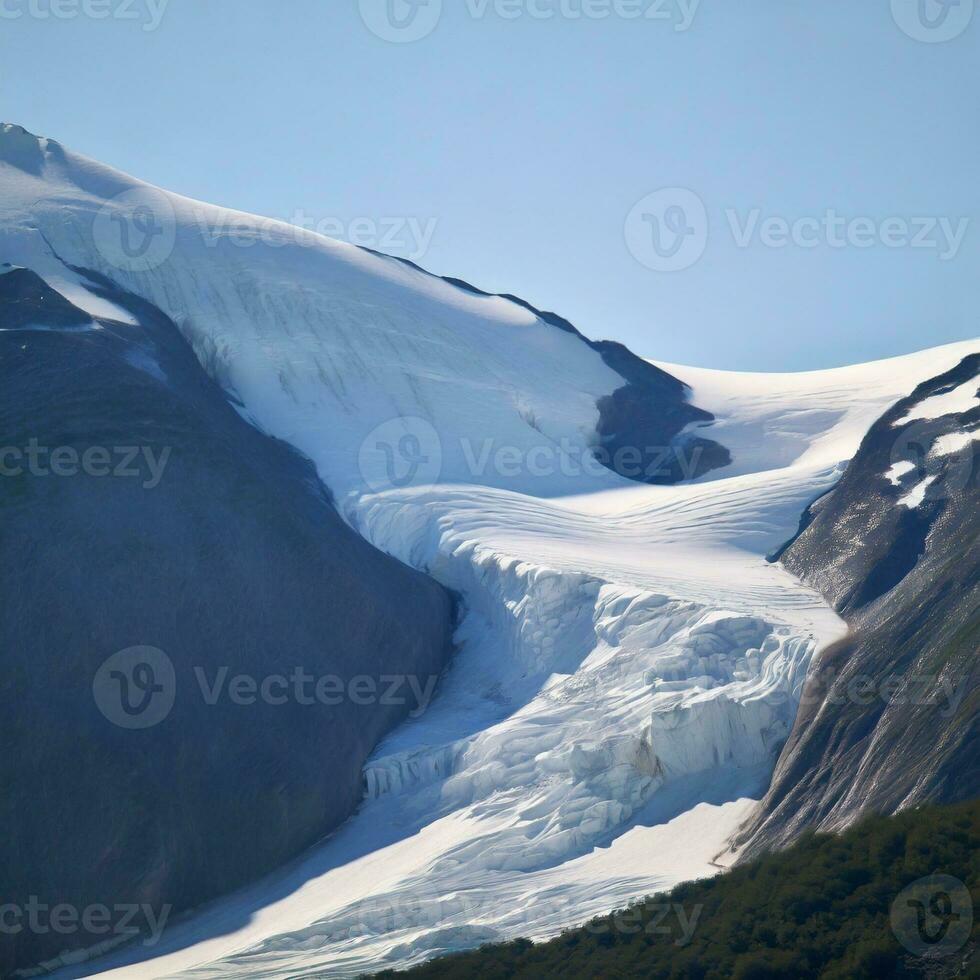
column 891, row 715
column 164, row 520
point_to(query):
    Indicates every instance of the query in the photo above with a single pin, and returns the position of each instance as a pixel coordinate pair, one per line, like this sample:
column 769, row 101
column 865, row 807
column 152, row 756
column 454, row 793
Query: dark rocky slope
column 225, row 552
column 891, row 714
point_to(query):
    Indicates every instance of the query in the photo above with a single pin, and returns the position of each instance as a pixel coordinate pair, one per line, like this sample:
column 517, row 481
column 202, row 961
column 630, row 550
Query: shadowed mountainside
column 217, row 546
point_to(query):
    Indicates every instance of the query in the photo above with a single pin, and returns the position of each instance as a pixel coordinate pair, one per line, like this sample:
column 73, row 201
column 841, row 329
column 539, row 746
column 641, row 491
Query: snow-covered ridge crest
column 321, row 340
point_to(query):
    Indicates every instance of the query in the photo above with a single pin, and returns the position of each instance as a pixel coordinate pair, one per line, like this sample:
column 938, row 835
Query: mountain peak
column 12, row 134
column 22, row 149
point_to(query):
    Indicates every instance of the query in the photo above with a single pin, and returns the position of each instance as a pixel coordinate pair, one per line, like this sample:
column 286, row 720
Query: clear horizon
column 750, row 189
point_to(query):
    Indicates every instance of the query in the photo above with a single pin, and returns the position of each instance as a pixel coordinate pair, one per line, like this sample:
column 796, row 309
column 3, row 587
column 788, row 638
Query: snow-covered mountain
column 371, row 339
column 628, row 663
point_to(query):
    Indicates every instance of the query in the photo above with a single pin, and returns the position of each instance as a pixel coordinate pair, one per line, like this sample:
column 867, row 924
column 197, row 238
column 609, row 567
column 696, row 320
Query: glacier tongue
column 582, row 706
column 628, row 661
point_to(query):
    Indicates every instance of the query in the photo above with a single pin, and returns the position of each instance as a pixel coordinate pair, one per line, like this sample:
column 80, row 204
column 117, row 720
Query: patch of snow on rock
column 899, row 470
column 958, row 400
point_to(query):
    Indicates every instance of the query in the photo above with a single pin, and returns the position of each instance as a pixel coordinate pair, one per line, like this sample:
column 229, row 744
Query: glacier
column 628, row 662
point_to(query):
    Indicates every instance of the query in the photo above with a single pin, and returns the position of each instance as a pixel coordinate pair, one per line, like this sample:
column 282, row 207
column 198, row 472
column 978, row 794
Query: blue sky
column 752, row 185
